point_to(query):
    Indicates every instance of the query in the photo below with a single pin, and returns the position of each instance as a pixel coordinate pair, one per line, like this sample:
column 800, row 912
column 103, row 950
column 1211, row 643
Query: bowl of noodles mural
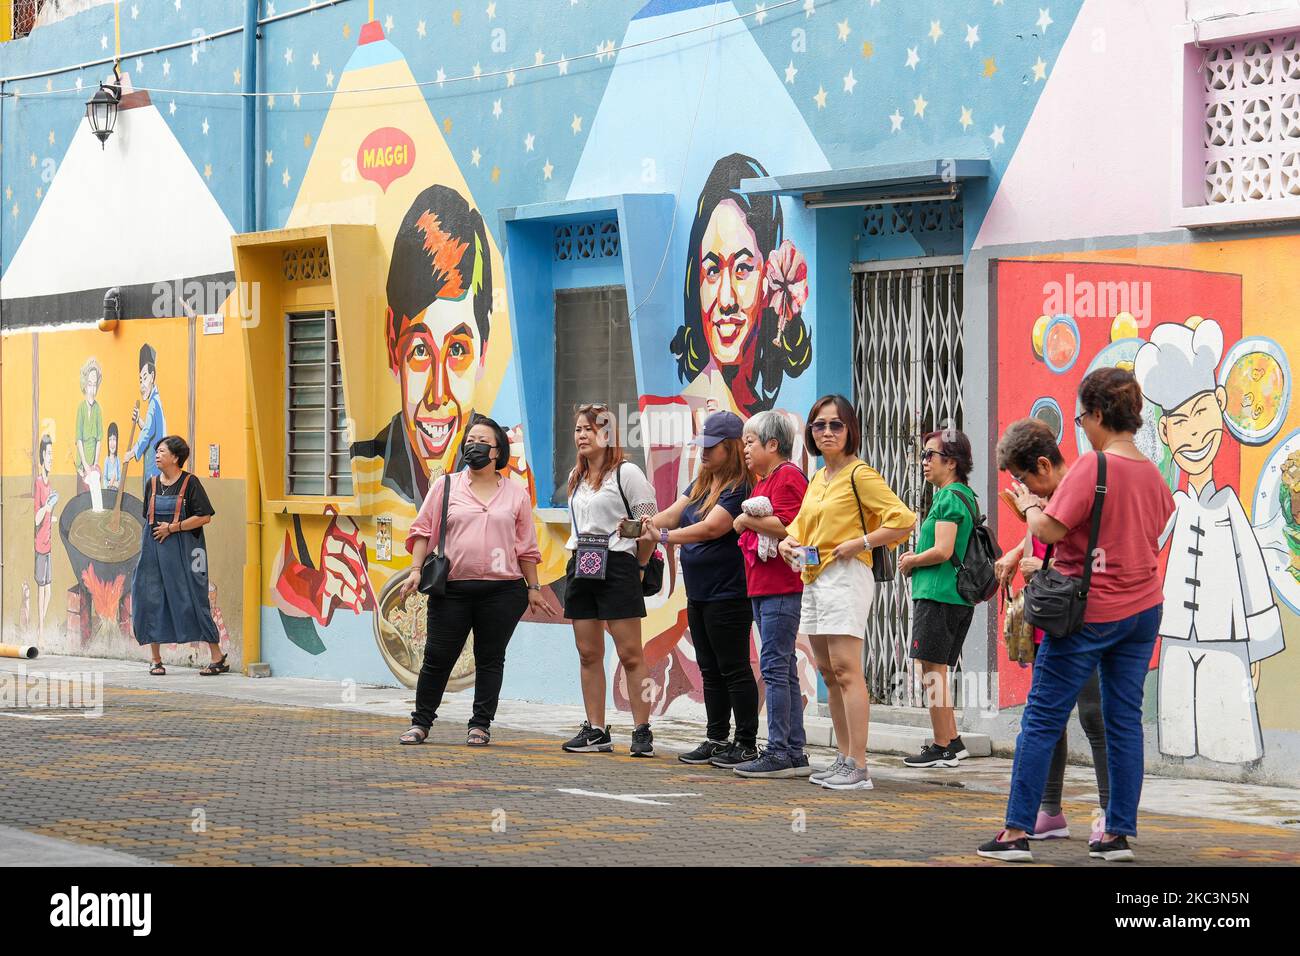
column 103, row 551
column 400, row 630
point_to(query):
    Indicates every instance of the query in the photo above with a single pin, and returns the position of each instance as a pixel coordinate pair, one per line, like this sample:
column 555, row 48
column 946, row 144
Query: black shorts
column 613, row 599
column 939, row 631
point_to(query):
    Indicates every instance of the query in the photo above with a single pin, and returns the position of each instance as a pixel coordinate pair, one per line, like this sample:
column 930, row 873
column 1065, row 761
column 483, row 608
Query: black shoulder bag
column 652, row 572
column 977, row 580
column 433, row 576
column 883, row 564
column 1055, row 602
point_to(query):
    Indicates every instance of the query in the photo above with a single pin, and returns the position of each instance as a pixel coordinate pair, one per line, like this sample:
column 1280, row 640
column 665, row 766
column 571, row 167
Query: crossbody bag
column 1056, row 602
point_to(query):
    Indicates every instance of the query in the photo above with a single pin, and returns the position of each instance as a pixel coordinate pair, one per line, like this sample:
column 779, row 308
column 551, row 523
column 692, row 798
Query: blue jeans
column 1121, row 651
column 777, row 616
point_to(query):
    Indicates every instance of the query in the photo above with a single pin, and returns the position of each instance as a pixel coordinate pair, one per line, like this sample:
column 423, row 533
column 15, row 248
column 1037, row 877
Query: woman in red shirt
column 1120, row 622
column 1029, row 453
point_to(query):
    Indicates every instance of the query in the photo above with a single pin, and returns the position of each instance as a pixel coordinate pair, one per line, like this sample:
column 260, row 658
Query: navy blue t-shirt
column 715, row 570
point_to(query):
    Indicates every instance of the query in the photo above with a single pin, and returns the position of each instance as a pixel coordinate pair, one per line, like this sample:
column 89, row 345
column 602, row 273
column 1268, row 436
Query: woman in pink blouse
column 492, row 545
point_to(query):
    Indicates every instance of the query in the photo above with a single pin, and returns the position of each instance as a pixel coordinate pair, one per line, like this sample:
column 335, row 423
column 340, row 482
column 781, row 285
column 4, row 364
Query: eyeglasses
column 930, row 453
column 1078, row 419
column 836, row 426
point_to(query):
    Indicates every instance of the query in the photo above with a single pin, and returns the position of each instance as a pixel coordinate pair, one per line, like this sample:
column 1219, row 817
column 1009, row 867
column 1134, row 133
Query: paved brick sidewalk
column 284, row 785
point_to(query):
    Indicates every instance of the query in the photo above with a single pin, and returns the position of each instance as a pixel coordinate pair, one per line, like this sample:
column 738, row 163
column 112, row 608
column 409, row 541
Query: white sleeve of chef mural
column 1263, row 620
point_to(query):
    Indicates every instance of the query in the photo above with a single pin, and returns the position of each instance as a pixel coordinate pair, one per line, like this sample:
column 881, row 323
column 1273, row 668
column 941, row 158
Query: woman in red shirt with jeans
column 1120, row 621
column 775, row 590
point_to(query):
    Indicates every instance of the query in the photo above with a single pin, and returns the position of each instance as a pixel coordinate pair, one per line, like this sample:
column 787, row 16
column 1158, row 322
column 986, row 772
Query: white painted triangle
column 135, row 211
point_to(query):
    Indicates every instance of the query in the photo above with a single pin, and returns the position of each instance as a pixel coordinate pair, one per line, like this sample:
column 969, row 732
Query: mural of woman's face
column 731, row 283
column 92, row 387
column 440, row 361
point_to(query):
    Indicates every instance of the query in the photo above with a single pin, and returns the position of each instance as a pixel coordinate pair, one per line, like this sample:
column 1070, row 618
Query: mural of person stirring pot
column 169, row 596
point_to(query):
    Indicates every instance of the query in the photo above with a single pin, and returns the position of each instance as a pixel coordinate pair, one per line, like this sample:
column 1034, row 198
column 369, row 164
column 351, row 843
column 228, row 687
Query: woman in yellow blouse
column 847, row 510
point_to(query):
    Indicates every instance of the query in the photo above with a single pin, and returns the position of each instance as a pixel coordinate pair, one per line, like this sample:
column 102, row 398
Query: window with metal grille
column 317, row 459
column 593, row 363
column 908, row 365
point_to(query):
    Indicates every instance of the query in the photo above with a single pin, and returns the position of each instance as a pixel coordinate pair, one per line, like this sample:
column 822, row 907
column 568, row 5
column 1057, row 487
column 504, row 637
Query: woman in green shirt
column 940, row 616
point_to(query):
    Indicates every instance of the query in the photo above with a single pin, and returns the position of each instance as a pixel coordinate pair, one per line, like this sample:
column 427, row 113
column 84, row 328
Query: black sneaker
column 931, row 755
column 643, row 742
column 801, row 767
column 1114, row 851
column 1012, row 851
column 705, row 752
column 958, row 749
column 590, row 740
column 735, row 755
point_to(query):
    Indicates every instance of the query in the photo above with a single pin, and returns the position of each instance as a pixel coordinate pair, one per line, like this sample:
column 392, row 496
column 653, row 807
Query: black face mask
column 477, row 455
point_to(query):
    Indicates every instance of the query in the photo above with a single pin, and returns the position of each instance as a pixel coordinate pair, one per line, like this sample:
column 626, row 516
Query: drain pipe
column 252, row 619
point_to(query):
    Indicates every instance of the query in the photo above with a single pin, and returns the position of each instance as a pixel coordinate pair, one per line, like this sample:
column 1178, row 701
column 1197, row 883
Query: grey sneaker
column 850, row 777
column 829, row 772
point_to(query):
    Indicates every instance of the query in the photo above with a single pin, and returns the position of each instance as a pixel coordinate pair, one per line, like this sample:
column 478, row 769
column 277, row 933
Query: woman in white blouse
column 606, row 490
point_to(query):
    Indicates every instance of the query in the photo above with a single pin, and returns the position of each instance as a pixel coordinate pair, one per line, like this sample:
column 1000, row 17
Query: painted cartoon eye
column 711, row 270
column 419, row 351
column 457, row 350
column 743, row 269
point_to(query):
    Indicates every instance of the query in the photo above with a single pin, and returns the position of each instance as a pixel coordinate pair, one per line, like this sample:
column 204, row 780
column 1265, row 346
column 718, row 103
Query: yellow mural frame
column 264, row 295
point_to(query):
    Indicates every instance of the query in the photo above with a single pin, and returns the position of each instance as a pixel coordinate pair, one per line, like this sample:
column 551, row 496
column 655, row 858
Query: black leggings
column 491, row 609
column 1095, row 728
column 720, row 632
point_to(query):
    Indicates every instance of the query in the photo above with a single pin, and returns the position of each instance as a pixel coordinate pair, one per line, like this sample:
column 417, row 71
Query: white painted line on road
column 627, row 797
column 33, row 716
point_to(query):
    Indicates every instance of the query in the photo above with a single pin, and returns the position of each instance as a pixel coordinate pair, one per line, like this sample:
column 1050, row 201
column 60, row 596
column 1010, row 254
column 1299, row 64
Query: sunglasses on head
column 835, row 425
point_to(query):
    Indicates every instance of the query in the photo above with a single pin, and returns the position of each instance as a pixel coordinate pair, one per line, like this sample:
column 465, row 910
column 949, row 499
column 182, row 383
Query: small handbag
column 1054, row 602
column 884, row 563
column 433, row 575
column 1017, row 633
column 591, row 553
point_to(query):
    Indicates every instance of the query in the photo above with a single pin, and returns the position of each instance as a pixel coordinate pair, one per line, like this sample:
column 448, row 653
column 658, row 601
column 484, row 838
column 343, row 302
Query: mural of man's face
column 146, row 381
column 731, row 283
column 1194, row 431
column 440, row 357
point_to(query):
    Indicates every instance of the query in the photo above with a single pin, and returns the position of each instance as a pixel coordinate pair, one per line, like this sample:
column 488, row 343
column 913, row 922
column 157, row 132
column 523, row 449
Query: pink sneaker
column 1048, row 827
column 1098, row 826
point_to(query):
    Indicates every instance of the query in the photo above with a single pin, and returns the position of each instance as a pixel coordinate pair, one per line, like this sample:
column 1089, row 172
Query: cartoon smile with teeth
column 438, row 319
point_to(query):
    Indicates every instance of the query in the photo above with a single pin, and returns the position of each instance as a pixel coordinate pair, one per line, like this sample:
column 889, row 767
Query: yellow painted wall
column 53, row 386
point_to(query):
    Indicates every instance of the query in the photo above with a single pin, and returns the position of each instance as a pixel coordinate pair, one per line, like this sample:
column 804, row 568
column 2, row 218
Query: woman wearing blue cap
column 718, row 609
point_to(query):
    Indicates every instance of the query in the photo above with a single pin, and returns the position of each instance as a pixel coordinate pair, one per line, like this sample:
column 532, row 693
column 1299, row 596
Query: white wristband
column 866, row 542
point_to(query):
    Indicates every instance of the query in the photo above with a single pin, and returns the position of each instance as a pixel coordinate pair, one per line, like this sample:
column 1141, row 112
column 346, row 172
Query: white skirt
column 839, row 600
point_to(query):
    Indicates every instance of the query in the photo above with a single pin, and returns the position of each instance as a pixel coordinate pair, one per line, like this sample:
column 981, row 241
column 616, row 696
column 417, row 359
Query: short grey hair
column 772, row 426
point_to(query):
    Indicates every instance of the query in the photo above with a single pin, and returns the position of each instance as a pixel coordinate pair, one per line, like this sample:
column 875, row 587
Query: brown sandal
column 478, row 737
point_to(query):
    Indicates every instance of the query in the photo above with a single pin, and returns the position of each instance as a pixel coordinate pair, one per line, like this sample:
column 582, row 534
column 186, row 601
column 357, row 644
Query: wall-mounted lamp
column 112, row 310
column 101, row 110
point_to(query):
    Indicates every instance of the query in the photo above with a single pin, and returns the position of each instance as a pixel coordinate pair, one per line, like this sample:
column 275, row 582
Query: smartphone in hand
column 1010, row 501
column 629, row 528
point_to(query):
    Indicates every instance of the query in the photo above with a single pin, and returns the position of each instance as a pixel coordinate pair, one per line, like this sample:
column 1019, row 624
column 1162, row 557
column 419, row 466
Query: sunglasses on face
column 930, row 453
column 835, row 426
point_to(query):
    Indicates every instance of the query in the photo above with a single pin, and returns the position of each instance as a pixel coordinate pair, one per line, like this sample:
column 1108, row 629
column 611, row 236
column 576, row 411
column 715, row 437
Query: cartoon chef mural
column 1220, row 619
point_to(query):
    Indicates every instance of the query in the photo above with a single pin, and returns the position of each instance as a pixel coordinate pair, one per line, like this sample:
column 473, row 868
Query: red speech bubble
column 385, row 155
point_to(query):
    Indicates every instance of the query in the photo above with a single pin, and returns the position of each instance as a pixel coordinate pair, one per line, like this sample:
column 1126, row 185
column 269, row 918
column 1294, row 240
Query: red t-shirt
column 44, row 530
column 785, row 488
column 1125, row 578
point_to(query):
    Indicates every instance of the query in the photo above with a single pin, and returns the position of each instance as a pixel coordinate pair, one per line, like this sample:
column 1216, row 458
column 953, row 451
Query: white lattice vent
column 1251, row 122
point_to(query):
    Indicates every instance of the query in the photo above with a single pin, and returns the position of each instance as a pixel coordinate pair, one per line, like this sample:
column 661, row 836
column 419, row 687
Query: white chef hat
column 1178, row 363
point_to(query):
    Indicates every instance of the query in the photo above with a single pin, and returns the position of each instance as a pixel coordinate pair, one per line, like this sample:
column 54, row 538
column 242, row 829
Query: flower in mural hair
column 787, row 284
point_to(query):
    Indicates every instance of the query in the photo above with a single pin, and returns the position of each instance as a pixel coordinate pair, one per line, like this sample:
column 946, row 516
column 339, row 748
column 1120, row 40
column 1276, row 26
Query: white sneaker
column 850, row 777
column 829, row 772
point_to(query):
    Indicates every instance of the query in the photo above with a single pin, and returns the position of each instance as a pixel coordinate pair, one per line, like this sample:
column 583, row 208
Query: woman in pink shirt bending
column 492, row 546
